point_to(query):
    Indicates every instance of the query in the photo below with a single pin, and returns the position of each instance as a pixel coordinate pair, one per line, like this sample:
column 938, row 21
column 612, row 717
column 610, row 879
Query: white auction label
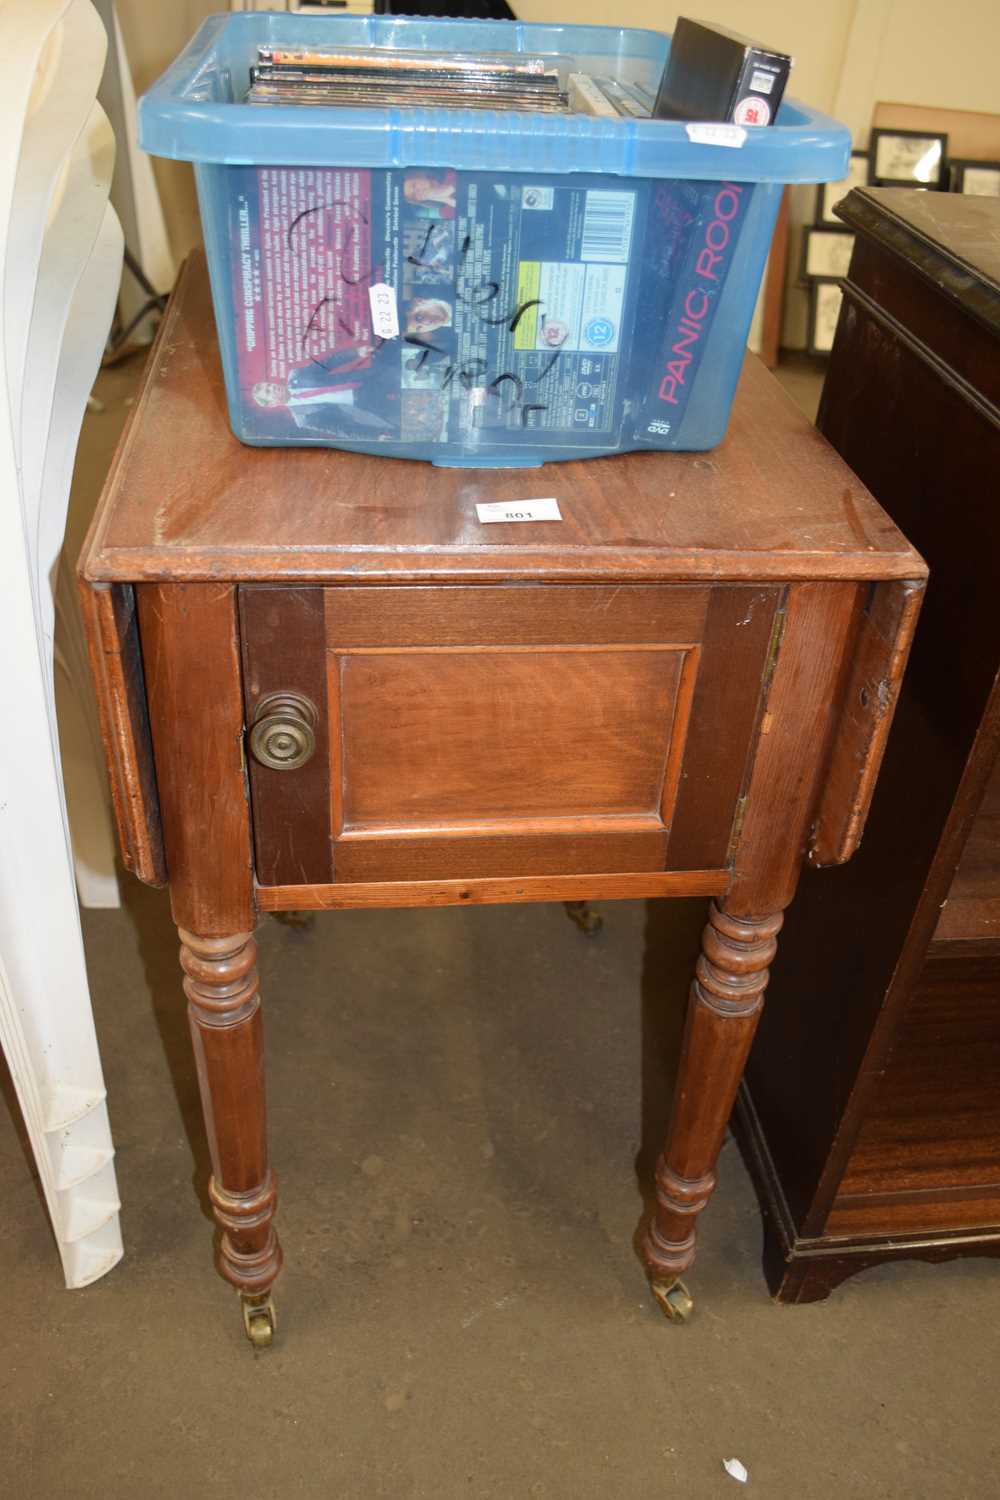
column 711, row 134
column 519, row 510
column 385, row 318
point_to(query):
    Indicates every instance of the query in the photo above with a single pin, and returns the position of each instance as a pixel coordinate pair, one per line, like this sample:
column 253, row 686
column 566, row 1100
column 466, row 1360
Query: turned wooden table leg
column 726, row 999
column 191, row 662
column 220, row 981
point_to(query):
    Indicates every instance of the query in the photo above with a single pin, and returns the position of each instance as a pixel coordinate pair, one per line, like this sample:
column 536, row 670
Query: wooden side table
column 325, row 684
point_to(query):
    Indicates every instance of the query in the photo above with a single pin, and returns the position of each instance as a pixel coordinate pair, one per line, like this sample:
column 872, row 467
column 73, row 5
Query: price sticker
column 385, row 318
column 519, row 510
column 712, row 134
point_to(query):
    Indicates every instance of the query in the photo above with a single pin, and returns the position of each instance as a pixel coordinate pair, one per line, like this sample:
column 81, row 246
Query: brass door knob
column 283, row 732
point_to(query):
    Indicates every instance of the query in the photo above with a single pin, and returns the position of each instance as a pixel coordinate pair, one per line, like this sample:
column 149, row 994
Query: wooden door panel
column 505, row 730
column 443, row 738
column 504, row 761
column 488, row 732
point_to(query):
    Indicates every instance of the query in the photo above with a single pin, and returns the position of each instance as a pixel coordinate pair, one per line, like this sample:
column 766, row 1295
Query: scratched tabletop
column 186, row 500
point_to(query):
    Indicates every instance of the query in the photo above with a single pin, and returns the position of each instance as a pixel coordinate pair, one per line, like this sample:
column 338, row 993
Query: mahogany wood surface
column 450, row 737
column 949, row 303
column 283, row 637
column 800, row 1268
column 728, row 694
column 571, row 615
column 191, row 653
column 550, row 847
column 526, row 740
column 932, row 1138
column 220, row 981
column 643, row 699
column 480, row 892
column 488, row 732
column 726, row 999
column 871, row 1120
column 116, row 663
column 801, row 709
column 971, row 913
column 885, row 638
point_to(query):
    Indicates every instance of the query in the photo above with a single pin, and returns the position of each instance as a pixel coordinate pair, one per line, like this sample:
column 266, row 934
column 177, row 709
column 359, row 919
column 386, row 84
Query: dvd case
column 371, row 78
column 514, row 300
column 711, row 74
column 716, row 74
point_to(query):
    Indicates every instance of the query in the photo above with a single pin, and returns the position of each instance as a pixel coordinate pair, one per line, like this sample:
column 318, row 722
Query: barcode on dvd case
column 607, row 226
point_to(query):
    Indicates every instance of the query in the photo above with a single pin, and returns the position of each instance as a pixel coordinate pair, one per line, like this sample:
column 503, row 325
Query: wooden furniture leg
column 726, row 1000
column 220, row 981
column 190, row 646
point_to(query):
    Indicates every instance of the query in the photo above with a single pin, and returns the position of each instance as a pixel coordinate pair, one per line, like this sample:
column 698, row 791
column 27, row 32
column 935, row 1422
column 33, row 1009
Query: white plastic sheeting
column 61, row 259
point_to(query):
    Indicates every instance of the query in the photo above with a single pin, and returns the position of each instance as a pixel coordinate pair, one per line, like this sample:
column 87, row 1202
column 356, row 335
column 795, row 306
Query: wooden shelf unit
column 972, row 911
column 871, row 1112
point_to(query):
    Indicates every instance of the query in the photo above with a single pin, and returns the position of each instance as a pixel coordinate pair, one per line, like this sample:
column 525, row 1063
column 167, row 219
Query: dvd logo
column 658, row 428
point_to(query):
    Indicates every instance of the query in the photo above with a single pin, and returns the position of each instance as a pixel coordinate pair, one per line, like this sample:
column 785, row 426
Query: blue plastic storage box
column 565, row 286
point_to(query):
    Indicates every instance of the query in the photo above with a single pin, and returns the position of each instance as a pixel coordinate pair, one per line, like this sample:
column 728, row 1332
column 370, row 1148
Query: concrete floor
column 464, row 1106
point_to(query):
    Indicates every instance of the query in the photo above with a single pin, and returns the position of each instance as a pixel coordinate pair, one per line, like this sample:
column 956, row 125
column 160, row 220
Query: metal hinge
column 770, row 661
column 734, row 837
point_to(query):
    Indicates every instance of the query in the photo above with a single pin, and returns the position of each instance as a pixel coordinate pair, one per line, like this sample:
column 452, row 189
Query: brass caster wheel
column 258, row 1319
column 299, row 921
column 675, row 1300
column 589, row 922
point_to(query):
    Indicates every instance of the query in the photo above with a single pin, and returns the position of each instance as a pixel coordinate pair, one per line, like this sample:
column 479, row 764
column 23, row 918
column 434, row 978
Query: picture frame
column 978, row 179
column 825, row 301
column 829, row 193
column 826, row 251
column 908, row 158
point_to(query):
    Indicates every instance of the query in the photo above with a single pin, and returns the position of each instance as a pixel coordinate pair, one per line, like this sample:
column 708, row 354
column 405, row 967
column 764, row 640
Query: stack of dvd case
column 370, row 78
column 608, row 98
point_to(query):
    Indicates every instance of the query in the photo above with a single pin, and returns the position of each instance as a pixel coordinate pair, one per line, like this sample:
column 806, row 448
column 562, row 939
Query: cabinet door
column 504, row 730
